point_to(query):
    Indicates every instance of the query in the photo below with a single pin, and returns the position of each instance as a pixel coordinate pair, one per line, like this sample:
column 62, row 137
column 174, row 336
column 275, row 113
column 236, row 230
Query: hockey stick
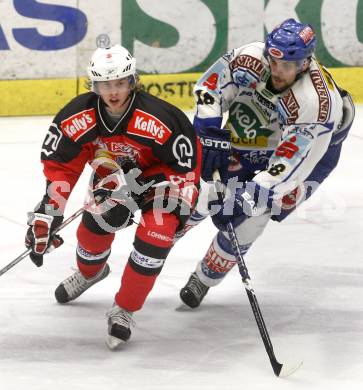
column 280, row 370
column 60, row 227
column 96, row 200
column 56, row 230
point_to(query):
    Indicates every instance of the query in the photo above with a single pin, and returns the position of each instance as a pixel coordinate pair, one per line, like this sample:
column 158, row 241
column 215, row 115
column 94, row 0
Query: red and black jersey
column 154, row 134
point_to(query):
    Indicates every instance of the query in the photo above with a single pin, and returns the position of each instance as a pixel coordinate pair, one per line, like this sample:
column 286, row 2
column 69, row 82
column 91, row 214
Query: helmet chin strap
column 132, row 91
column 301, row 64
column 129, row 96
column 301, row 71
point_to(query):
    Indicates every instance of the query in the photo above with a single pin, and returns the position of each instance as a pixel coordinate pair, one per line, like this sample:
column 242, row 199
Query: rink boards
column 46, row 97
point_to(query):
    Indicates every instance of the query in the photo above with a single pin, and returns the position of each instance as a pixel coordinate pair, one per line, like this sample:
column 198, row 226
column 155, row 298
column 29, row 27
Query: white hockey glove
column 39, row 236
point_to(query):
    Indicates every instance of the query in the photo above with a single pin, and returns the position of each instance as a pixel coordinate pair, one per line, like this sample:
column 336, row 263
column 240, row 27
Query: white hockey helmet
column 111, row 63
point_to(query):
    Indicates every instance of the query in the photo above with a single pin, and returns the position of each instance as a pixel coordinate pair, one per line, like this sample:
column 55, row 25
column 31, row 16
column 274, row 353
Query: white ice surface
column 307, row 273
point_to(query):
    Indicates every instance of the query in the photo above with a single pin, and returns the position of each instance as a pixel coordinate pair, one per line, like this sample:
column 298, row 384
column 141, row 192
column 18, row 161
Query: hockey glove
column 216, row 146
column 108, row 186
column 39, row 236
column 128, row 188
column 249, row 201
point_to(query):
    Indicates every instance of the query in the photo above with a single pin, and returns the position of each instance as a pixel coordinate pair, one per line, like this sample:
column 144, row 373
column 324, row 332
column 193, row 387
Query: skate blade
column 114, row 343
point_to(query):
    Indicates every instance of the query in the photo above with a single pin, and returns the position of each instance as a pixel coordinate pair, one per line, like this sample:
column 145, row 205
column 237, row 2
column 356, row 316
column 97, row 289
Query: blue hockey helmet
column 291, row 41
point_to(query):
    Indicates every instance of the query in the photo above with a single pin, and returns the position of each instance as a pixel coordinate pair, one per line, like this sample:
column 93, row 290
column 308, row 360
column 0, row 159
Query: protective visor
column 110, row 87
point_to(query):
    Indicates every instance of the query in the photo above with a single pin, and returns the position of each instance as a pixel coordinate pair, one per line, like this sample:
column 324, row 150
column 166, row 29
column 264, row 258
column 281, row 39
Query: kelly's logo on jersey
column 79, row 124
column 146, row 125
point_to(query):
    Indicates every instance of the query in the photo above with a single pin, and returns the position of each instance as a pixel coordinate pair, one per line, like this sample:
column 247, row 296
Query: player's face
column 283, row 73
column 114, row 93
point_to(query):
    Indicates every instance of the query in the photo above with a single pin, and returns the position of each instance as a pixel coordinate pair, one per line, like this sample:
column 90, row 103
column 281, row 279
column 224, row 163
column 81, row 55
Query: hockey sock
column 134, row 289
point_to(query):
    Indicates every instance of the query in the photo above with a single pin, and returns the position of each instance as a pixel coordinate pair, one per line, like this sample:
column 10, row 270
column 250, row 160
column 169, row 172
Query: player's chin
column 279, row 86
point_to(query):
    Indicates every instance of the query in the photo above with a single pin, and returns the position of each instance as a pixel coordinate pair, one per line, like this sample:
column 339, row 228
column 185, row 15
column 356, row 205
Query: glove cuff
column 215, row 133
column 51, row 221
column 47, row 219
column 254, row 198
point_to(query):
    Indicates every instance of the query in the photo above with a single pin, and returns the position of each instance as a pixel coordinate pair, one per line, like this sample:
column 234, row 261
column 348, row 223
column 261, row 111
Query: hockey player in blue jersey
column 287, row 119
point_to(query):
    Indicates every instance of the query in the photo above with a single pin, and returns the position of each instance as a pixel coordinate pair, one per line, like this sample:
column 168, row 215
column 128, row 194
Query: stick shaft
column 56, row 230
column 246, row 280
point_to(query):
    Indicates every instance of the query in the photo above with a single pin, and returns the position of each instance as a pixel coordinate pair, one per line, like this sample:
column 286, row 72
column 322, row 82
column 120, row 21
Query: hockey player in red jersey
column 140, row 147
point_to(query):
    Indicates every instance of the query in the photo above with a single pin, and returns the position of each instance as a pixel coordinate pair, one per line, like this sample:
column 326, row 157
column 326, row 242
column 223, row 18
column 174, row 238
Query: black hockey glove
column 108, row 186
column 124, row 188
column 122, row 185
column 249, row 201
column 39, row 236
column 215, row 152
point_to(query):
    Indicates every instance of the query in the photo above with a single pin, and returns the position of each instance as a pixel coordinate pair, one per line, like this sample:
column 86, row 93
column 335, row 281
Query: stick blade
column 288, row 369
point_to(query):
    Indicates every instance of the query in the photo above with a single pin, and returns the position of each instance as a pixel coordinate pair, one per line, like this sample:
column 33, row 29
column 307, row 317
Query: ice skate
column 76, row 284
column 193, row 292
column 119, row 322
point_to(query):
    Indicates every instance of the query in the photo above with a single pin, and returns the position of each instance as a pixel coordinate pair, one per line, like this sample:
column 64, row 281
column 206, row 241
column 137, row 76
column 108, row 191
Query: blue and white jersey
column 284, row 135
